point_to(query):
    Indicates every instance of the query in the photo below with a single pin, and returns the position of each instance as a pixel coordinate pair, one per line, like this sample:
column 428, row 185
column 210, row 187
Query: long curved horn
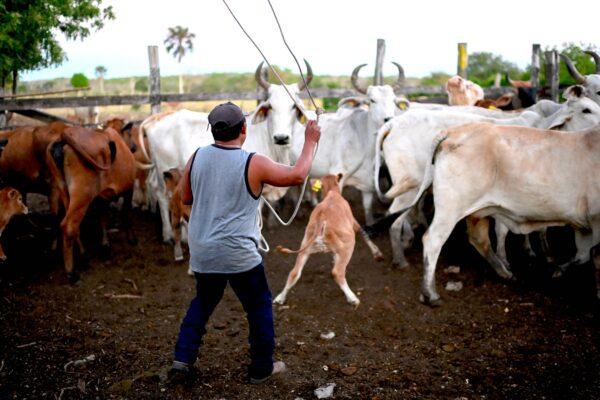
column 259, row 78
column 596, row 58
column 309, row 76
column 354, row 80
column 399, row 85
column 510, row 81
column 572, row 70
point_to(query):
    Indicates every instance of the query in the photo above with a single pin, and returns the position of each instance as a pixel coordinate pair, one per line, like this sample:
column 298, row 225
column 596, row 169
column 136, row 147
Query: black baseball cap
column 225, row 116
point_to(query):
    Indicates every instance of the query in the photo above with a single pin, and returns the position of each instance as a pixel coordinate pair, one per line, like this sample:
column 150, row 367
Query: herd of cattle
column 528, row 165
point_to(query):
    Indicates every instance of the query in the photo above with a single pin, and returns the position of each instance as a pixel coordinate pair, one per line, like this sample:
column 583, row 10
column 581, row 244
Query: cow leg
column 401, row 235
column 440, row 229
column 163, row 205
column 341, row 259
column 478, row 230
column 293, row 276
column 584, row 240
column 104, row 221
column 126, row 211
column 546, row 246
column 501, row 233
column 528, row 247
column 372, row 246
column 70, row 232
column 367, row 200
column 176, row 225
column 420, row 211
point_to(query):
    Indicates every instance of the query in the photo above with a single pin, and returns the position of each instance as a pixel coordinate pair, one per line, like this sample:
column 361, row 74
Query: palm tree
column 179, row 42
column 100, row 71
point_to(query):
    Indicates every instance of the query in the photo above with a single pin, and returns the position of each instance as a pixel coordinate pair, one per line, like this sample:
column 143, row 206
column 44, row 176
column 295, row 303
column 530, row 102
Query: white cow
column 174, row 136
column 406, row 144
column 591, row 82
column 529, row 179
column 463, row 92
column 347, row 144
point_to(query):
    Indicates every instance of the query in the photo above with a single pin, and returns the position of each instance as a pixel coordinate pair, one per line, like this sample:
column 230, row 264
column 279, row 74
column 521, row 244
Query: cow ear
column 261, row 112
column 168, row 175
column 402, row 103
column 352, row 102
column 13, row 194
column 504, row 101
column 339, row 177
column 300, row 116
column 559, row 122
column 574, row 92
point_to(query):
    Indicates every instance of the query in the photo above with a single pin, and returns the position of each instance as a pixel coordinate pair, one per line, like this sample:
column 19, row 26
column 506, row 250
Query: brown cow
column 178, row 211
column 131, row 134
column 11, row 204
column 331, row 228
column 503, row 102
column 88, row 164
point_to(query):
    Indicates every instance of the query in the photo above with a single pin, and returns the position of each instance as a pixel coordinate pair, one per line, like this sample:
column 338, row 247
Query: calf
column 11, row 204
column 462, row 92
column 331, row 228
column 179, row 212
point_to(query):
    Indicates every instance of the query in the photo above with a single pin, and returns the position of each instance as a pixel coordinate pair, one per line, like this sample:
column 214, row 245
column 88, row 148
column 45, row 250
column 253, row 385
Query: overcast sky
column 333, row 35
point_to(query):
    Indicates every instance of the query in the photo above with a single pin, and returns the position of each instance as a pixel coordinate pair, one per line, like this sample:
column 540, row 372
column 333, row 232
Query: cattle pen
column 27, row 106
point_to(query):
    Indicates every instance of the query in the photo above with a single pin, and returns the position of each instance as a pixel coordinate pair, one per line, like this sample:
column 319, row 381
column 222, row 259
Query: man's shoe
column 180, row 373
column 278, row 368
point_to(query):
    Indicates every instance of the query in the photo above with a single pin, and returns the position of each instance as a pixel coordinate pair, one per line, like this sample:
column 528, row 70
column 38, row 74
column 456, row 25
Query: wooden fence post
column 3, row 119
column 463, row 60
column 154, row 79
column 378, row 77
column 261, row 93
column 552, row 73
column 535, row 67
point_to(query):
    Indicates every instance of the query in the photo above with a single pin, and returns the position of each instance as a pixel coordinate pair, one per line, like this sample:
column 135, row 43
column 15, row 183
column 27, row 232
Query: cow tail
column 387, row 221
column 83, row 154
column 319, row 232
column 55, row 158
column 141, row 134
column 383, row 132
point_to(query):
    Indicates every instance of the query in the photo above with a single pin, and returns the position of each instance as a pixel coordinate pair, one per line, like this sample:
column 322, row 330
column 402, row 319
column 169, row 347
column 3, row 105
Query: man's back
column 223, row 230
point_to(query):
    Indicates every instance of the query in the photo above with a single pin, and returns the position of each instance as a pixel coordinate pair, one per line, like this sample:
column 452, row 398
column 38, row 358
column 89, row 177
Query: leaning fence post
column 552, row 73
column 154, row 79
column 463, row 60
column 535, row 68
column 378, row 77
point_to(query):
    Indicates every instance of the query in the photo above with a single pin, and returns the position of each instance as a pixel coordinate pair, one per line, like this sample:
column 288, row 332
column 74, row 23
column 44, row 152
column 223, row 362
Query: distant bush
column 330, row 103
column 141, row 85
column 435, row 79
column 79, row 80
column 136, row 107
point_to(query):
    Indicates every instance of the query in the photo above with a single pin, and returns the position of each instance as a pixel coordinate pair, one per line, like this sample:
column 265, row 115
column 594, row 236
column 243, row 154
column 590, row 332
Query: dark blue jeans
column 252, row 290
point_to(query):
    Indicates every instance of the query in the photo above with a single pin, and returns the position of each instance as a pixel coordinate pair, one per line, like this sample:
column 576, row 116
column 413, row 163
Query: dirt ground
column 531, row 339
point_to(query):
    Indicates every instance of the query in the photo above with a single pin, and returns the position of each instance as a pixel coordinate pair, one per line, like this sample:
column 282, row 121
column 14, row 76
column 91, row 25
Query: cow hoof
column 557, row 274
column 190, row 272
column 399, row 265
column 430, row 302
column 179, row 258
column 279, row 300
column 354, row 303
column 379, row 257
column 73, row 277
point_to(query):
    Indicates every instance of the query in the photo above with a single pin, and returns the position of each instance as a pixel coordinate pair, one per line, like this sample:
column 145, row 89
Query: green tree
column 582, row 61
column 435, row 79
column 29, row 31
column 141, row 85
column 100, row 72
column 483, row 67
column 79, row 80
column 179, row 42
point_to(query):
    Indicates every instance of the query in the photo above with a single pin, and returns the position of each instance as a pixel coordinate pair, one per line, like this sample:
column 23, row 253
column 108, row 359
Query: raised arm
column 264, row 170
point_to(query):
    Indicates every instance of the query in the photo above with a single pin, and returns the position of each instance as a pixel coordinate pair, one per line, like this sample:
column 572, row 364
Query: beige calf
column 331, row 228
column 11, row 204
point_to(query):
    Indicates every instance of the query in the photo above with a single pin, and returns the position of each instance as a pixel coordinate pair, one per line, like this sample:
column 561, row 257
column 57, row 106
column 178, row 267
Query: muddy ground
column 534, row 338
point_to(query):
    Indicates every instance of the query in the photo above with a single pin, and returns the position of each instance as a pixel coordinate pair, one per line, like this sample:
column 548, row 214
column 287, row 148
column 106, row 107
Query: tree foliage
column 100, row 71
column 583, row 62
column 179, row 41
column 435, row 79
column 79, row 80
column 483, row 67
column 29, row 29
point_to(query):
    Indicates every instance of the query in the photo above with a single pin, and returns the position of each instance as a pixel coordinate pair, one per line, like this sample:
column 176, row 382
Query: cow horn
column 572, row 70
column 596, row 58
column 354, row 80
column 259, row 78
column 309, row 76
column 399, row 85
column 510, row 81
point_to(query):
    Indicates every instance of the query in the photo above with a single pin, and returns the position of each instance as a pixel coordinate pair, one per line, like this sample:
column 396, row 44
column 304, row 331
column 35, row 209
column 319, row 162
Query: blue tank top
column 223, row 233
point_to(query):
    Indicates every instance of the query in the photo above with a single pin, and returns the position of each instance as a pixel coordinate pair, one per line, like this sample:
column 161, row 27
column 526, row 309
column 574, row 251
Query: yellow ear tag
column 492, row 108
column 317, row 185
column 402, row 105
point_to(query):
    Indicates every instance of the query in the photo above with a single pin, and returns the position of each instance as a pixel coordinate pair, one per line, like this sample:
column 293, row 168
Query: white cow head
column 591, row 82
column 579, row 112
column 279, row 111
column 462, row 92
column 381, row 101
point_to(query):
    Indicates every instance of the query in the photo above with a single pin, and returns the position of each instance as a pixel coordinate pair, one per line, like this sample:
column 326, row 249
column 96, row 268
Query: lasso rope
column 318, row 112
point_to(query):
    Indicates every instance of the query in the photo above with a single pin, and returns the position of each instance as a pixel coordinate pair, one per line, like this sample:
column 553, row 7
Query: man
column 223, row 184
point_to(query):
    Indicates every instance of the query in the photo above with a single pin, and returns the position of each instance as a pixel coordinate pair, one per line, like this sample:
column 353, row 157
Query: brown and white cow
column 179, row 212
column 462, row 92
column 11, row 204
column 87, row 164
column 331, row 228
column 526, row 178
